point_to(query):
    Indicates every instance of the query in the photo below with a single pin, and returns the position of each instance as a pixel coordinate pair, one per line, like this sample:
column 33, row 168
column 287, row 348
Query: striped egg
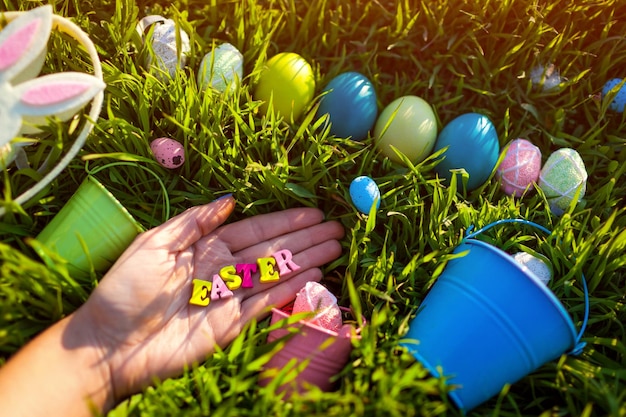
column 519, row 170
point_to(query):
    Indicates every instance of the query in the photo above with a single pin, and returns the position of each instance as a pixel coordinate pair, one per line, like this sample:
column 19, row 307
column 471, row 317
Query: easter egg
column 349, row 100
column 168, row 152
column 164, row 55
column 287, row 80
column 364, row 193
column 561, row 177
column 408, row 124
column 545, row 77
column 471, row 143
column 619, row 100
column 534, row 265
column 519, row 170
column 221, row 68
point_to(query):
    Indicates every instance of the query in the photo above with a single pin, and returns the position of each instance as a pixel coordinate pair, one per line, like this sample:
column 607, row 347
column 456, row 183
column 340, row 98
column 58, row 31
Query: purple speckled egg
column 168, row 152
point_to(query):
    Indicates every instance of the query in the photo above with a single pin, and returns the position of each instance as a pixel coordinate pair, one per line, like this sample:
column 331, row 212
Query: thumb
column 183, row 230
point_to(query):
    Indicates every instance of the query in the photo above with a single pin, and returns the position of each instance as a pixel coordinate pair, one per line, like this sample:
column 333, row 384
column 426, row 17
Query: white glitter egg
column 222, row 68
column 364, row 193
column 545, row 77
column 563, row 176
column 164, row 55
column 534, row 265
column 168, row 152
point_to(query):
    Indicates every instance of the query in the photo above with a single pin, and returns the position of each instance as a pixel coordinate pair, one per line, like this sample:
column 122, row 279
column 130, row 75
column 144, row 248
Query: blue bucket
column 486, row 322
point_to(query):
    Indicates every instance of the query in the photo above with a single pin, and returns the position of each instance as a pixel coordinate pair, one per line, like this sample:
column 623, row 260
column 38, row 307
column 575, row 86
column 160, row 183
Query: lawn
column 460, row 56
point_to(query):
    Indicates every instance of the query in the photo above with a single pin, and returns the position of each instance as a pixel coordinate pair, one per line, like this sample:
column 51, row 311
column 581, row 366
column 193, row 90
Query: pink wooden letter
column 246, row 270
column 219, row 289
column 284, row 261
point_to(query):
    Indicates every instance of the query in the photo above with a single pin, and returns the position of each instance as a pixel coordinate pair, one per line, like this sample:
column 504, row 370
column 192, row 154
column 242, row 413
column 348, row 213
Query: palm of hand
column 141, row 311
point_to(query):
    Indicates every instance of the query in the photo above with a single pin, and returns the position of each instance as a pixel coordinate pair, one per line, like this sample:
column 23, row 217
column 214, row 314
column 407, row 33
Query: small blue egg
column 350, row 102
column 364, row 192
column 472, row 144
column 619, row 101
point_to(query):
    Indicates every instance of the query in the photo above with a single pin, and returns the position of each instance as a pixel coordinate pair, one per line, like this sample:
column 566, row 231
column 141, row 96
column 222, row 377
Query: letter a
column 220, row 289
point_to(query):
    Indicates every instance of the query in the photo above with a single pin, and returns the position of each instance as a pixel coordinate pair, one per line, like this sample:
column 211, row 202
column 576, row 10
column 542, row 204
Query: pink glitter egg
column 168, row 152
column 519, row 170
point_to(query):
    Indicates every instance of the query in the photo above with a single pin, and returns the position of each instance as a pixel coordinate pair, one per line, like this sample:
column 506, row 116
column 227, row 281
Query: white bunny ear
column 60, row 95
column 23, row 44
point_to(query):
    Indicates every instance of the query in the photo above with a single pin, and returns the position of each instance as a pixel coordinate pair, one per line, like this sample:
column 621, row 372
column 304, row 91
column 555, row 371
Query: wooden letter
column 230, row 277
column 247, row 270
column 267, row 270
column 220, row 289
column 201, row 293
column 284, row 262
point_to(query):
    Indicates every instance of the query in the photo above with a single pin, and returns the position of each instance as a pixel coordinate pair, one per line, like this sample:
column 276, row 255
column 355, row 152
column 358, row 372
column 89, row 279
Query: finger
column 248, row 232
column 295, row 241
column 184, row 230
column 259, row 305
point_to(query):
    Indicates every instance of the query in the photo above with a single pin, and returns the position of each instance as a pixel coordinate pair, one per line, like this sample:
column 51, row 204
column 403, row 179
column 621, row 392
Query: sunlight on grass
column 460, row 56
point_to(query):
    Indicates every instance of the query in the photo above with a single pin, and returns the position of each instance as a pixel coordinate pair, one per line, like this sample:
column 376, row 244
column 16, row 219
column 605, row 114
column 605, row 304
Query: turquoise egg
column 619, row 101
column 471, row 143
column 364, row 193
column 349, row 100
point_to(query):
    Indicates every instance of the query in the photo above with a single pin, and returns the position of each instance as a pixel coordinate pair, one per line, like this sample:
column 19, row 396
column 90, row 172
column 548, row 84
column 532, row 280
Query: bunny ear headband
column 27, row 100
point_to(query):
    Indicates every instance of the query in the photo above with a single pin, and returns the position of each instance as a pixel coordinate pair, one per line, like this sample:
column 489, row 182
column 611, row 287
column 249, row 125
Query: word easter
column 232, row 277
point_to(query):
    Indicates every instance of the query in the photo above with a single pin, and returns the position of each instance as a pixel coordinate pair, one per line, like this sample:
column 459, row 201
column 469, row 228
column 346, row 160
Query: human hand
column 140, row 316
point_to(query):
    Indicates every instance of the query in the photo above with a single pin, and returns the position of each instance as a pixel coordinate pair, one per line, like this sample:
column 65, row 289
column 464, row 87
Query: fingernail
column 223, row 196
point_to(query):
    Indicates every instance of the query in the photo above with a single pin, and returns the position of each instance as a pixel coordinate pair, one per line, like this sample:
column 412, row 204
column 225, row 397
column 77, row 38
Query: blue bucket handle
column 579, row 346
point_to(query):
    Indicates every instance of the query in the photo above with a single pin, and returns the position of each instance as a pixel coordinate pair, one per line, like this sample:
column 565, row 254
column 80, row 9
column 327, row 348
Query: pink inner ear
column 17, row 45
column 45, row 95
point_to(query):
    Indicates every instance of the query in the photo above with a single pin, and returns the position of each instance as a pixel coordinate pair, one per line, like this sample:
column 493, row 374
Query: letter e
column 200, row 295
column 267, row 270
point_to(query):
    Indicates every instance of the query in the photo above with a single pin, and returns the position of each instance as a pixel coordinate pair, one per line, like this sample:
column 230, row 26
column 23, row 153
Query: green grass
column 461, row 56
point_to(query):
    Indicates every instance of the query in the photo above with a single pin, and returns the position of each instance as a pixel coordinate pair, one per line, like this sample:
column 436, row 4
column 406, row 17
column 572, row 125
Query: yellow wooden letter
column 230, row 277
column 267, row 269
column 201, row 293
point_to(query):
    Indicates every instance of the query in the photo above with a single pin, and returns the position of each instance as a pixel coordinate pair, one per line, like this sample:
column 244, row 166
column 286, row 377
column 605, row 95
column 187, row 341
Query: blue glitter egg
column 619, row 101
column 364, row 192
column 350, row 102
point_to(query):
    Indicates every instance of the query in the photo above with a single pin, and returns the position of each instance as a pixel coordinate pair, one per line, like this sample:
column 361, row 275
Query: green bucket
column 91, row 230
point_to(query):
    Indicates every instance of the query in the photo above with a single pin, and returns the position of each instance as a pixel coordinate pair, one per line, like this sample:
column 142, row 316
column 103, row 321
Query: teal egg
column 471, row 143
column 349, row 100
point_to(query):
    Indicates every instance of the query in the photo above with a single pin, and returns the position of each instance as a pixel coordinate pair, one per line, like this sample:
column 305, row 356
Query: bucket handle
column 166, row 201
column 470, row 234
